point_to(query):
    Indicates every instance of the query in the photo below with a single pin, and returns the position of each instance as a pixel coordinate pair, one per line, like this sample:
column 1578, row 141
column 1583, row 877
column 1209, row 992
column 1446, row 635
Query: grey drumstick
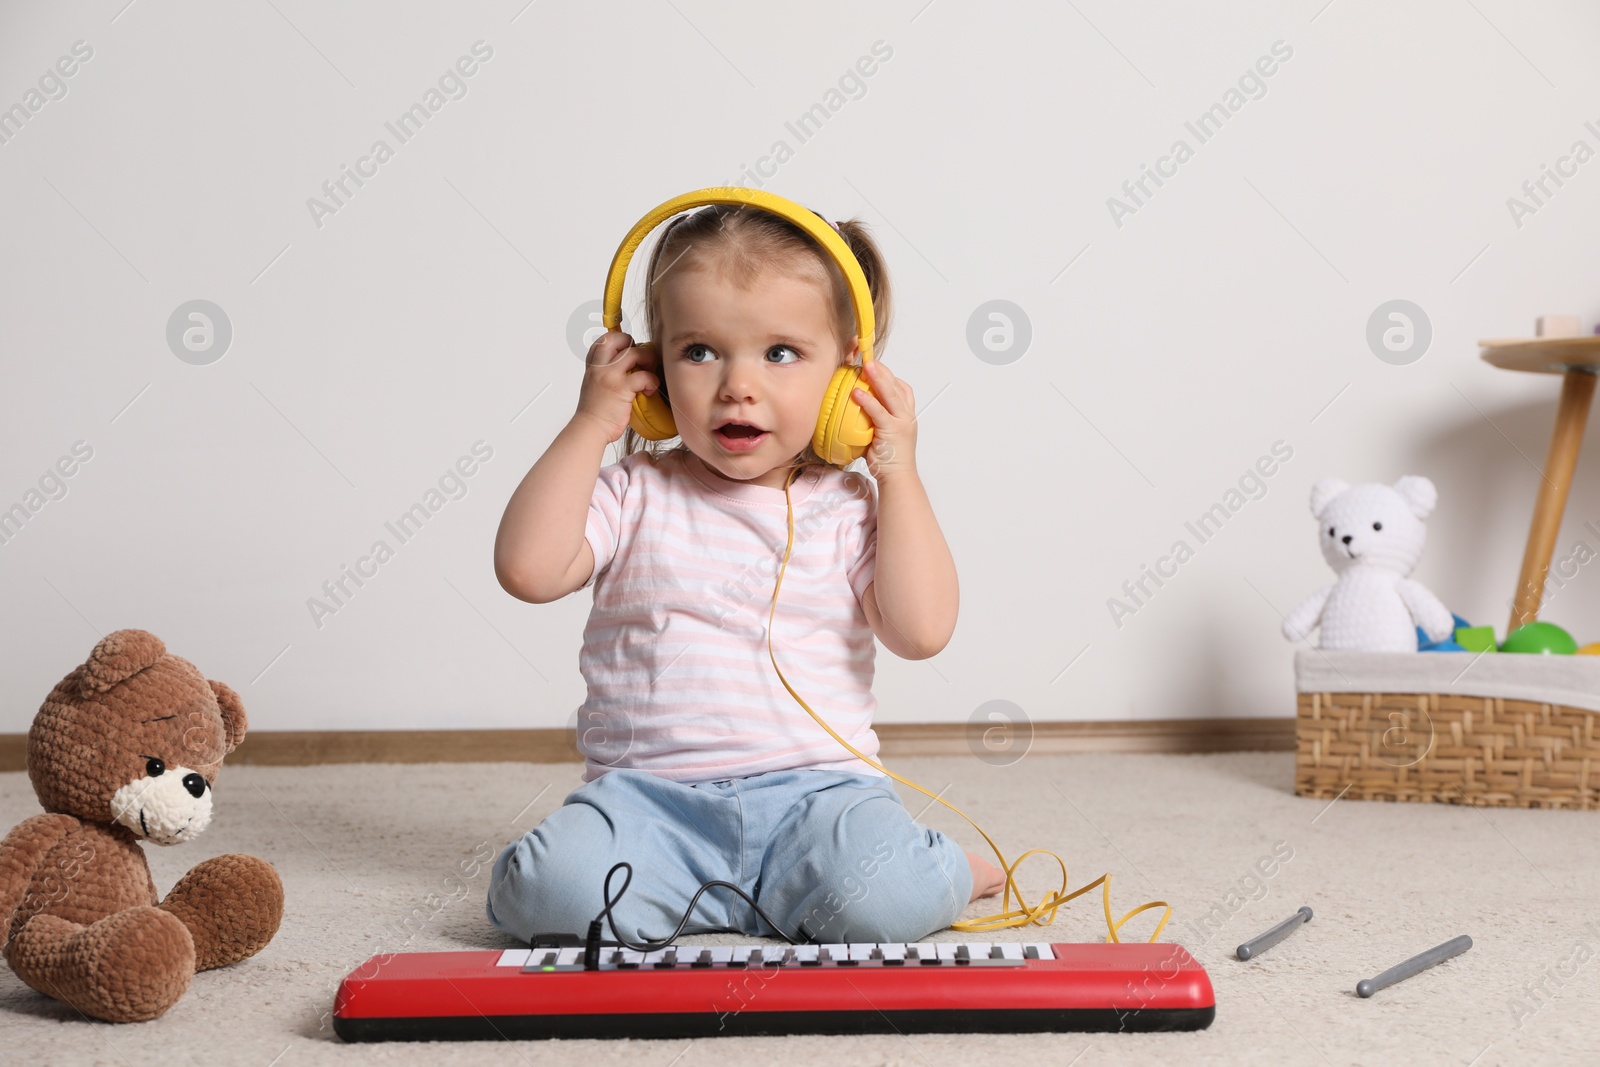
column 1257, row 945
column 1418, row 963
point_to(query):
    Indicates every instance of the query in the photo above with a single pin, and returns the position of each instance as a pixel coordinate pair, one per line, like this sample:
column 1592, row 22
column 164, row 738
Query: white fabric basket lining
column 1570, row 680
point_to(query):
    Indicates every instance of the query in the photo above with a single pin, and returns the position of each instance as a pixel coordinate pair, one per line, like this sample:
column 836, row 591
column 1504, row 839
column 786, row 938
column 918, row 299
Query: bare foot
column 987, row 879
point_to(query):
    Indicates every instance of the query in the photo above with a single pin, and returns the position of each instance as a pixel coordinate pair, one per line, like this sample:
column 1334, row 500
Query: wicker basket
column 1490, row 749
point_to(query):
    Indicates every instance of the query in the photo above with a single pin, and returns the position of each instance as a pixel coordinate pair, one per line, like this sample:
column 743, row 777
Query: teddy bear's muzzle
column 167, row 809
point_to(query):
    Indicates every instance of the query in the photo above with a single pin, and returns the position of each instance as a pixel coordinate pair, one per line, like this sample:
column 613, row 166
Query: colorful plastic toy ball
column 1542, row 638
column 1590, row 650
column 1448, row 643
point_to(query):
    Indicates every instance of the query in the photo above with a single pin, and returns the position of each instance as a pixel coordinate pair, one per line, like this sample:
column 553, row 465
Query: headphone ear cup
column 652, row 417
column 843, row 430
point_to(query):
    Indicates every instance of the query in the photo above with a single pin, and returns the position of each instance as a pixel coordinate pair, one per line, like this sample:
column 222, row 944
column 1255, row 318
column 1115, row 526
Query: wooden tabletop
column 1547, row 355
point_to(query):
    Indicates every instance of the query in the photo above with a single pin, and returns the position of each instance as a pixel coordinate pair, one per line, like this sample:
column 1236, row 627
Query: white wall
column 371, row 351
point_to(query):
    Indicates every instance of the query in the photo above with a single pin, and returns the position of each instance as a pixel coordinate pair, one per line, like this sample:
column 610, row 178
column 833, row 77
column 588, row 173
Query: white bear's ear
column 1323, row 492
column 1418, row 493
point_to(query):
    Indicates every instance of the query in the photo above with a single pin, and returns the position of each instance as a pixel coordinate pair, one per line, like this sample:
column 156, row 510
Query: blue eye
column 688, row 353
column 783, row 348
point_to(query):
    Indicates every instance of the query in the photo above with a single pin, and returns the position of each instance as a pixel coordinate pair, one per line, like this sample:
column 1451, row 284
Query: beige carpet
column 371, row 858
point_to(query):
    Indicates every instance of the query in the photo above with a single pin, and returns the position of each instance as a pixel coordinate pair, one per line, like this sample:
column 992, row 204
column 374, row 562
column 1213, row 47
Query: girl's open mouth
column 739, row 437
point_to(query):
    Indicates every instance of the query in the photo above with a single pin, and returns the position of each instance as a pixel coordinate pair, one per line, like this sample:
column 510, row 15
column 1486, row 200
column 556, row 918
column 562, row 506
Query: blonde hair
column 742, row 242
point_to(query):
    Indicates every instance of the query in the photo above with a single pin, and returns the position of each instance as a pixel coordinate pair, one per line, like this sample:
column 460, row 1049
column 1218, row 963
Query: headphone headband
column 808, row 220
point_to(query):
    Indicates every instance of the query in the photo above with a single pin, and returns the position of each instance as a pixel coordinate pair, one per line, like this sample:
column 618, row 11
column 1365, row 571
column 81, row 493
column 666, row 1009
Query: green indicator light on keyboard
column 547, row 968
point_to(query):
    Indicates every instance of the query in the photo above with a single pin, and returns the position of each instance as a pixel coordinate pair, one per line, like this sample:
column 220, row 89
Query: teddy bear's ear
column 1418, row 493
column 119, row 656
column 1323, row 492
column 233, row 716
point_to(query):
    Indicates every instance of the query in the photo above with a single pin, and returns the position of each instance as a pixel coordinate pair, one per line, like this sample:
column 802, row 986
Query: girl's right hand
column 616, row 370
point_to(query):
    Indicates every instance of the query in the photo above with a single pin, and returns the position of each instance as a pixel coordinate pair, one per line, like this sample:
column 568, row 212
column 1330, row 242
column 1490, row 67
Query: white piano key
column 893, row 951
column 838, row 952
column 570, row 955
column 721, row 953
column 633, row 956
column 773, row 953
column 653, row 958
column 978, row 950
column 924, row 950
column 513, row 957
column 946, row 950
column 1011, row 950
column 805, row 953
column 1045, row 951
column 862, row 950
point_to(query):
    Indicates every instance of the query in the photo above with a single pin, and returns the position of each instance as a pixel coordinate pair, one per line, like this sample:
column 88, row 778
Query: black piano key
column 1030, row 952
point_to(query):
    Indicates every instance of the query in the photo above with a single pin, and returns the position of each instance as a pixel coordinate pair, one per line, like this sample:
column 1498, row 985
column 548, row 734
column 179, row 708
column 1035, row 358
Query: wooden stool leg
column 1577, row 389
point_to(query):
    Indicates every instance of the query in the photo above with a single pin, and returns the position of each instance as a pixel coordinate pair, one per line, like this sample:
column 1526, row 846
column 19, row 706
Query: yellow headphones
column 843, row 433
column 843, row 430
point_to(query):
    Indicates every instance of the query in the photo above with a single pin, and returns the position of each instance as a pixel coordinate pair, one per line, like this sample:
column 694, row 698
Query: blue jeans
column 832, row 855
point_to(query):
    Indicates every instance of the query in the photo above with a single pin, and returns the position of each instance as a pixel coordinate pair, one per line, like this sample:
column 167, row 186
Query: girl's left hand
column 893, row 412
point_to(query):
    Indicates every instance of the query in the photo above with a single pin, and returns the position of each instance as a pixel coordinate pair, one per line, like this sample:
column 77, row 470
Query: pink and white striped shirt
column 675, row 650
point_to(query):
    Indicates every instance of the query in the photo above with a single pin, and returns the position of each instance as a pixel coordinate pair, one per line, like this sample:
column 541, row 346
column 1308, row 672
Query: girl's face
column 761, row 357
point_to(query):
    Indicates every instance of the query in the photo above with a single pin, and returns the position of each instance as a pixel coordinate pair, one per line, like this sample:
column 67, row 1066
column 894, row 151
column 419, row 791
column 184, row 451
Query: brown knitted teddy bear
column 126, row 747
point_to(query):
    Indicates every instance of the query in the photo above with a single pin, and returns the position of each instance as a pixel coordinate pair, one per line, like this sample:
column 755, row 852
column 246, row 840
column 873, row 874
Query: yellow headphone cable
column 1021, row 915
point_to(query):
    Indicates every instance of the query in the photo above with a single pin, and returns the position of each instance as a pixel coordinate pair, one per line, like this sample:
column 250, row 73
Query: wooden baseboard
column 299, row 748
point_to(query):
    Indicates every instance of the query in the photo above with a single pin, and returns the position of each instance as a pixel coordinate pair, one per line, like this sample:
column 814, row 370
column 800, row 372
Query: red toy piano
column 774, row 988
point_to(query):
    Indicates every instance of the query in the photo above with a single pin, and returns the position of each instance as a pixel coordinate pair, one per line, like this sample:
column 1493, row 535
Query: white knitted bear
column 1372, row 537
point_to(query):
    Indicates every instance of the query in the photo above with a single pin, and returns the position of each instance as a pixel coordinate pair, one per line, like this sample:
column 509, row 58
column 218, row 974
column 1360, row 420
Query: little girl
column 699, row 763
